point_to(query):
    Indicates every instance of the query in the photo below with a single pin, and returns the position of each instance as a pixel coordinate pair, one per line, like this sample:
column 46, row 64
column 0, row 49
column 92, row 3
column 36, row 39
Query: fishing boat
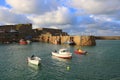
column 28, row 41
column 22, row 42
column 62, row 53
column 33, row 67
column 80, row 52
column 59, row 59
column 70, row 42
column 34, row 60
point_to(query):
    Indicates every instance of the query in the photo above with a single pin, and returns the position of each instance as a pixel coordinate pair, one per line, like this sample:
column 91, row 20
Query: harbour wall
column 78, row 40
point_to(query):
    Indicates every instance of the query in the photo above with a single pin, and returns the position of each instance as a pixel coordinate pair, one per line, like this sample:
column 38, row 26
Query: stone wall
column 79, row 40
column 54, row 36
column 10, row 32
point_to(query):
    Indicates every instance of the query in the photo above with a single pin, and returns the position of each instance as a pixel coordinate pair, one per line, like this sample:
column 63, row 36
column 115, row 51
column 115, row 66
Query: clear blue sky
column 76, row 17
column 2, row 2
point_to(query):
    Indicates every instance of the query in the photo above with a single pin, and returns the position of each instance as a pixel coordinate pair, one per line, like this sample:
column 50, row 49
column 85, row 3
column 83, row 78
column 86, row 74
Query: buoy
column 68, row 68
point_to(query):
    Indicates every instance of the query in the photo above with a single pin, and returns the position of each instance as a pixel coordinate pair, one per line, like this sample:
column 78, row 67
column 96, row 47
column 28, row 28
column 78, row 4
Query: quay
column 13, row 33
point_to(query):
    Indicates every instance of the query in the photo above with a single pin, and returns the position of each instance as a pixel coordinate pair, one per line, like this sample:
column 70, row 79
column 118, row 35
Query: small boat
column 22, row 42
column 62, row 53
column 33, row 67
column 34, row 60
column 60, row 59
column 80, row 52
column 71, row 43
column 28, row 41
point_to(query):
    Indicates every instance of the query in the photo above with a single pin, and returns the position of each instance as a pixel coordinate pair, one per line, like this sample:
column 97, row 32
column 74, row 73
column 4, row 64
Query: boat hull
column 35, row 61
column 65, row 56
column 77, row 52
column 23, row 43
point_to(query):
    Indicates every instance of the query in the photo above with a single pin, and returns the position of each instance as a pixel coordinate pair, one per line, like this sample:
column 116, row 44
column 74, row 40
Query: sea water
column 101, row 63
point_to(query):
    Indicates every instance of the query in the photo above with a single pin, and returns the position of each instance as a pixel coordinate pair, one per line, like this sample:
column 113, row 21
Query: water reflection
column 33, row 71
column 60, row 65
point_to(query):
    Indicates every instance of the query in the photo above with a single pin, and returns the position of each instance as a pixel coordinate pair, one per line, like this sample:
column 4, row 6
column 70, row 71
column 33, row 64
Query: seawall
column 79, row 40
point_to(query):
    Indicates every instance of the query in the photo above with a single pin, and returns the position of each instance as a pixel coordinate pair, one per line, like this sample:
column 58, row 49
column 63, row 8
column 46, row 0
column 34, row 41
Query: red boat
column 80, row 52
column 22, row 42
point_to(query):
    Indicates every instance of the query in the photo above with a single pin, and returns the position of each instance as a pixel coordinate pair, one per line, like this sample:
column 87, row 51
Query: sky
column 76, row 17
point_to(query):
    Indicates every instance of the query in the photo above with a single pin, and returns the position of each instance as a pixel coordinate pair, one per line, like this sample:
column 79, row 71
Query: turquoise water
column 101, row 63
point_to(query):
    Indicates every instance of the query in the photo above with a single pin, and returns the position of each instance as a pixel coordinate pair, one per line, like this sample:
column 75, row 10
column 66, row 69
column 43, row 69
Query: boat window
column 64, row 51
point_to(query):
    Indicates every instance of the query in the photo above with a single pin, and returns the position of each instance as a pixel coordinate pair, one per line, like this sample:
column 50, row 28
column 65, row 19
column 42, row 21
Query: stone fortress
column 13, row 33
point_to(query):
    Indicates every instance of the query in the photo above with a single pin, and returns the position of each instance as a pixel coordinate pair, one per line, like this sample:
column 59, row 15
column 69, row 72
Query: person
column 32, row 57
column 79, row 50
column 55, row 50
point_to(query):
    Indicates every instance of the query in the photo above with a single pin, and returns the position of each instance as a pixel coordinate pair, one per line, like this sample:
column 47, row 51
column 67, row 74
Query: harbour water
column 101, row 63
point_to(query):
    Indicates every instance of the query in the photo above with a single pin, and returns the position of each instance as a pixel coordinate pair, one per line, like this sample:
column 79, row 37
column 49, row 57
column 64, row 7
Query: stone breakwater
column 78, row 40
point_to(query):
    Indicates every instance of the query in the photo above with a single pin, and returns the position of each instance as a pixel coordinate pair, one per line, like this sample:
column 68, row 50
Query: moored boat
column 32, row 66
column 28, row 41
column 34, row 60
column 60, row 59
column 80, row 52
column 22, row 42
column 62, row 53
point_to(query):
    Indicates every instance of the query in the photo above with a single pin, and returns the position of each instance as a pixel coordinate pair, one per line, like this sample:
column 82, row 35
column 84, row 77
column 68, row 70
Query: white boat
column 34, row 60
column 60, row 59
column 33, row 67
column 28, row 41
column 62, row 53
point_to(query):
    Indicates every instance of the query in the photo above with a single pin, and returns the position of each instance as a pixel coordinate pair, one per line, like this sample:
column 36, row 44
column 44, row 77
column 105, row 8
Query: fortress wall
column 65, row 39
column 88, row 41
column 76, row 39
column 79, row 40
